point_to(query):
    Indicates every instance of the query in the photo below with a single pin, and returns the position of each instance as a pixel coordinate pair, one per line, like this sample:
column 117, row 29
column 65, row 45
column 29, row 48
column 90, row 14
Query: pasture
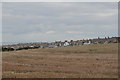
column 83, row 61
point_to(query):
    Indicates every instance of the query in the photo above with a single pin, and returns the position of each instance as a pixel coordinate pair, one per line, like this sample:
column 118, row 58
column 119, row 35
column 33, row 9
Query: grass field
column 85, row 61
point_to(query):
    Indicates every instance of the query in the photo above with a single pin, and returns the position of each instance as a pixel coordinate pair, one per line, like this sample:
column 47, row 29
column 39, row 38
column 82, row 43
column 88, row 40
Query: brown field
column 85, row 61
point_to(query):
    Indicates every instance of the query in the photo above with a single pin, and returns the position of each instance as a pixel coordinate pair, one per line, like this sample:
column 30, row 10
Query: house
column 66, row 43
column 114, row 39
column 58, row 43
column 87, row 42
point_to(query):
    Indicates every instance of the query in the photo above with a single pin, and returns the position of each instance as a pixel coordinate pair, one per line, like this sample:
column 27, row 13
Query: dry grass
column 87, row 61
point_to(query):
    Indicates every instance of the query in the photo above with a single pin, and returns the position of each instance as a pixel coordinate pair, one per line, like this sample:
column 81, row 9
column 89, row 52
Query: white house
column 66, row 44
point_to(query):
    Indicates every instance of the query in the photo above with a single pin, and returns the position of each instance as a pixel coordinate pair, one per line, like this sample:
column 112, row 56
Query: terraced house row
column 22, row 46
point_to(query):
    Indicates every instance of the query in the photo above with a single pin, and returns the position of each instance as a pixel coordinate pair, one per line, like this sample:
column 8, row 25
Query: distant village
column 65, row 43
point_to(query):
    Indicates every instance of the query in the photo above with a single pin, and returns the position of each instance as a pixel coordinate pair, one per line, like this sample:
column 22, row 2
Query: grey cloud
column 58, row 21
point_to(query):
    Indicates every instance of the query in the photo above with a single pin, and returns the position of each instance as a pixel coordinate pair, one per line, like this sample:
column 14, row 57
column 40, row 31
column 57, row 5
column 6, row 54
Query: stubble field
column 85, row 61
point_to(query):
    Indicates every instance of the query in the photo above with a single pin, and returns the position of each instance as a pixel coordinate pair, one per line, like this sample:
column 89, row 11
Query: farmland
column 83, row 61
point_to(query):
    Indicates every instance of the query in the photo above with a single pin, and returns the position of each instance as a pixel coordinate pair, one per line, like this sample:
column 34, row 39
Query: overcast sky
column 51, row 21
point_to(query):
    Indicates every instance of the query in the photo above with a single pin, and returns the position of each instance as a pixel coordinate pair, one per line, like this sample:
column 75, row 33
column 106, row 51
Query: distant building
column 98, row 40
